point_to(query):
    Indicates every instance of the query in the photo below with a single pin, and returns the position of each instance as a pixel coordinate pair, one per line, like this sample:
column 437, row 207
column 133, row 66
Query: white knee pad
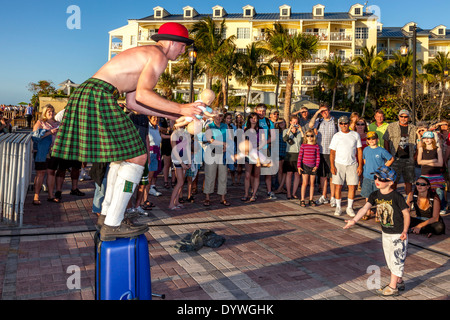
column 128, row 177
column 110, row 181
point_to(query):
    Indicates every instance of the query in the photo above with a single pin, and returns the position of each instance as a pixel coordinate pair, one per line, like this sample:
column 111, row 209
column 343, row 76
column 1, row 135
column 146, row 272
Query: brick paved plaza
column 274, row 250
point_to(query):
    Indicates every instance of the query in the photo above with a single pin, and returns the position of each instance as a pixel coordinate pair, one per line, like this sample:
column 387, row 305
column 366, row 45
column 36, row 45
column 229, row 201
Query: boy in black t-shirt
column 393, row 213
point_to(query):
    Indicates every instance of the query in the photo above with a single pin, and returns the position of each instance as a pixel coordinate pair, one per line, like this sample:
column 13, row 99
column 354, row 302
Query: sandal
column 302, row 203
column 252, row 199
column 369, row 216
column 295, row 197
column 312, row 203
column 58, row 195
column 36, row 202
column 244, row 199
column 190, row 199
column 387, row 291
column 56, row 200
column 75, row 192
column 206, row 203
column 226, row 203
column 166, row 185
column 147, row 205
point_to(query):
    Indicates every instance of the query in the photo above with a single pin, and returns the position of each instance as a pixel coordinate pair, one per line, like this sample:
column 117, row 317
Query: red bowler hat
column 173, row 31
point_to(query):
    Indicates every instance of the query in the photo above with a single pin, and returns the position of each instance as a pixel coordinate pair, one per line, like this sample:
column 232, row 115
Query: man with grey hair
column 345, row 165
column 399, row 141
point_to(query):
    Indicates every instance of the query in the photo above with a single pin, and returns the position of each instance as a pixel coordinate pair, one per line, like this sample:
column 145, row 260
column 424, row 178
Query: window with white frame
column 362, row 33
column 224, row 32
column 243, row 33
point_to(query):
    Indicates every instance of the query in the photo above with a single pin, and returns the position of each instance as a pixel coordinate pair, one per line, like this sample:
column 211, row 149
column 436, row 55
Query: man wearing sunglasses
column 399, row 141
column 344, row 147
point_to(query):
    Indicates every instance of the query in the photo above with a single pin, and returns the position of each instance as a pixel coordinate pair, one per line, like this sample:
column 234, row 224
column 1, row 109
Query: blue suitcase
column 122, row 269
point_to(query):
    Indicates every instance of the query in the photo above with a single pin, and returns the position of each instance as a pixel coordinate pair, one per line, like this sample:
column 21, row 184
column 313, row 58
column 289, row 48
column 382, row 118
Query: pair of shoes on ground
column 304, row 203
column 349, row 211
column 154, row 192
column 271, row 195
column 207, row 203
column 322, row 200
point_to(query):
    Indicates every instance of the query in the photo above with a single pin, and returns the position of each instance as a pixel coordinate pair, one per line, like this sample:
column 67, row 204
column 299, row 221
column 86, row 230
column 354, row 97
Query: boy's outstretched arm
column 361, row 213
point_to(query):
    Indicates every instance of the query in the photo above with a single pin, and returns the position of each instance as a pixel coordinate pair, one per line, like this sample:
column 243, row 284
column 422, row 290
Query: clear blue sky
column 37, row 45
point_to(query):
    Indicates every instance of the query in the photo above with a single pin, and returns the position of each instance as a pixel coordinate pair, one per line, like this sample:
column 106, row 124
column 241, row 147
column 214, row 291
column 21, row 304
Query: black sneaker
column 124, row 230
column 77, row 192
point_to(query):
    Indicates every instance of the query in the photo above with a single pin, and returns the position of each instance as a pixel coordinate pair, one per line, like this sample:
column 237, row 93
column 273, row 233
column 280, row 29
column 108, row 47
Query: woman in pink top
column 307, row 164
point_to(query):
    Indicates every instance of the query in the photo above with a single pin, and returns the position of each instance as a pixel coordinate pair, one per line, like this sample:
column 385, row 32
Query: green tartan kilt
column 94, row 127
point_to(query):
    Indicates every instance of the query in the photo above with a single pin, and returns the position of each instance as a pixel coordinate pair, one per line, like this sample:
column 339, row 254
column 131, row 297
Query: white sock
column 350, row 203
column 338, row 203
column 110, row 181
column 128, row 177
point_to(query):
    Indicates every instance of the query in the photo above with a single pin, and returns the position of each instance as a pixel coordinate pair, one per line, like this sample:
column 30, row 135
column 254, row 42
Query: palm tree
column 438, row 69
column 250, row 67
column 208, row 39
column 223, row 65
column 371, row 65
column 167, row 82
column 277, row 44
column 334, row 74
column 299, row 47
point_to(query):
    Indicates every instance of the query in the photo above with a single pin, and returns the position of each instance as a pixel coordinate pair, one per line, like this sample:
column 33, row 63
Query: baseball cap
column 385, row 172
column 404, row 111
column 343, row 119
column 174, row 32
column 371, row 134
column 428, row 134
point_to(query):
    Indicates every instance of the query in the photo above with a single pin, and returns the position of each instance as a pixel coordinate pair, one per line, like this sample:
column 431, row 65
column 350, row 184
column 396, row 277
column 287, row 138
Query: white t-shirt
column 345, row 145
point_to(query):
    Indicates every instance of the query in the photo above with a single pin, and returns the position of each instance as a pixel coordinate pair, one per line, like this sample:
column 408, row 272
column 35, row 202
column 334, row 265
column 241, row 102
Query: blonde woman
column 48, row 126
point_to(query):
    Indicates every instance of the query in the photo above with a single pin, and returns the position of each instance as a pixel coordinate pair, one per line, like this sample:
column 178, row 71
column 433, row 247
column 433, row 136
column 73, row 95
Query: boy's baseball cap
column 385, row 172
column 372, row 134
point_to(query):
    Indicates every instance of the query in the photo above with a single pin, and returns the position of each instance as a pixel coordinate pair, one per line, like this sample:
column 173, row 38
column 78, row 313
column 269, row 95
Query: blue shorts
column 153, row 162
column 368, row 187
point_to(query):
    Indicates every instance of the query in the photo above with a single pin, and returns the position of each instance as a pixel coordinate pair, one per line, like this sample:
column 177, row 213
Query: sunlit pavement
column 274, row 250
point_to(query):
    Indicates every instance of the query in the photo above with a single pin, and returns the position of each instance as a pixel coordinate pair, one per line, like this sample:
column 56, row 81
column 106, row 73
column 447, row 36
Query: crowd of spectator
column 314, row 150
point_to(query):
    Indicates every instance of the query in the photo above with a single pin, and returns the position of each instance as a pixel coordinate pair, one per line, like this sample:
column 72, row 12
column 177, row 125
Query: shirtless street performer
column 96, row 129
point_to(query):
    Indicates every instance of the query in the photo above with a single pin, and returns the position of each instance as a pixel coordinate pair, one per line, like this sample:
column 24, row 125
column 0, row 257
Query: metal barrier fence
column 15, row 175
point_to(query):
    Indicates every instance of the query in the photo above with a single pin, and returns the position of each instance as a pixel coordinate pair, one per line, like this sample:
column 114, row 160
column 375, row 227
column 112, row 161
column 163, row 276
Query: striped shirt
column 309, row 154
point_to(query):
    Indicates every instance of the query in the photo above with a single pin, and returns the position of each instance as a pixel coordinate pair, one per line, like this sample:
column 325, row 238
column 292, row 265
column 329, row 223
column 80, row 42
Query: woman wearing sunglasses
column 430, row 158
column 427, row 206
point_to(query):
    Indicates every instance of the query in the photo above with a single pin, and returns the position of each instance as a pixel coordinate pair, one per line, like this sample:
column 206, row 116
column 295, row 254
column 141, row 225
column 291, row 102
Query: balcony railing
column 317, row 59
column 116, row 46
column 434, row 53
column 340, row 36
column 310, row 80
column 320, row 35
